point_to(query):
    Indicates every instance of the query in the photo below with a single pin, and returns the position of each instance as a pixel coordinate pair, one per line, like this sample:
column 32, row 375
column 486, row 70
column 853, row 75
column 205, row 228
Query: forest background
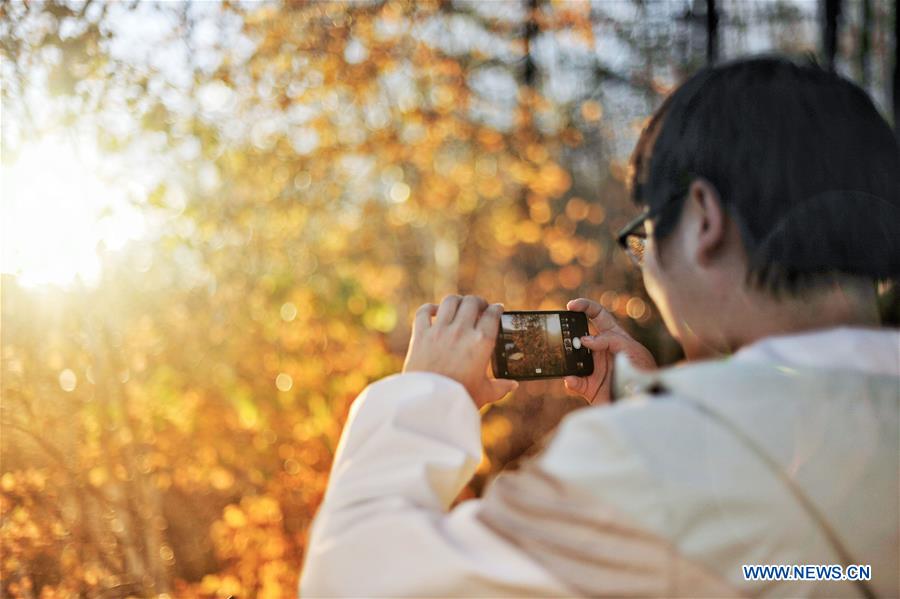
column 219, row 217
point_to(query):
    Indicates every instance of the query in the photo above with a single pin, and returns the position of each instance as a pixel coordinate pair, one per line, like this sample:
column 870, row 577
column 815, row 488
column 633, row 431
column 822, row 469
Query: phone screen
column 541, row 344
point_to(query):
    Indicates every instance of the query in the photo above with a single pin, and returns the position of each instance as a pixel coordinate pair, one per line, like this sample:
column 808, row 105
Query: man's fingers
column 489, row 323
column 447, row 310
column 596, row 313
column 579, row 305
column 583, row 304
column 469, row 309
column 422, row 321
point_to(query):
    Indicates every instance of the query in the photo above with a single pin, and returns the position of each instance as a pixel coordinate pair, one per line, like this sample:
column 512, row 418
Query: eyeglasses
column 633, row 238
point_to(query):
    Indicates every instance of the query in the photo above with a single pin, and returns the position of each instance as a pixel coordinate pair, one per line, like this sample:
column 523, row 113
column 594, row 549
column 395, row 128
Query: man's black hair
column 801, row 159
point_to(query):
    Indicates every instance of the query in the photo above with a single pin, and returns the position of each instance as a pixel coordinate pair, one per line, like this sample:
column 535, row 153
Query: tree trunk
column 865, row 42
column 830, row 33
column 531, row 31
column 528, row 257
column 896, row 92
column 712, row 32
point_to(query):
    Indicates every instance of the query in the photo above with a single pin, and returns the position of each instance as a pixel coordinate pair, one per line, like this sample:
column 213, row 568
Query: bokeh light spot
column 288, row 311
column 399, row 192
column 636, row 308
column 284, row 381
column 67, row 380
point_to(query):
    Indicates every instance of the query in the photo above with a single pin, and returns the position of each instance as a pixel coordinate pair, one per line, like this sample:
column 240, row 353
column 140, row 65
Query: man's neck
column 756, row 315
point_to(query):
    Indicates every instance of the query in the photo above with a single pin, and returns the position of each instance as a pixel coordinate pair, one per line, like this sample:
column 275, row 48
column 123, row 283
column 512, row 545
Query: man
column 771, row 200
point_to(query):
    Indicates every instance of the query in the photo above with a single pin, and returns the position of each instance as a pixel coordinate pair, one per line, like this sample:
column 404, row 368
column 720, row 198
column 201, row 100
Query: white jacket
column 786, row 453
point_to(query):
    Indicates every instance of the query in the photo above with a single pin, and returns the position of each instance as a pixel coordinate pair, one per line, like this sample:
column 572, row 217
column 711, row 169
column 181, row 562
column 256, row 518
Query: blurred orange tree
column 169, row 429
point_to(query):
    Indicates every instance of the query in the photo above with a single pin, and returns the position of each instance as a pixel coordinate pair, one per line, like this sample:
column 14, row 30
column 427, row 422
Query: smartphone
column 541, row 344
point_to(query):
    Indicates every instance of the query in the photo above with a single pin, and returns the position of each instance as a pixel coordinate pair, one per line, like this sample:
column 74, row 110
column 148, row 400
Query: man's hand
column 458, row 344
column 609, row 340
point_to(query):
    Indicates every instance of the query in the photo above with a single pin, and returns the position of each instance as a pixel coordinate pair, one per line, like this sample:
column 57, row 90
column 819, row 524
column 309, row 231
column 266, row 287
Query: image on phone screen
column 534, row 343
column 541, row 344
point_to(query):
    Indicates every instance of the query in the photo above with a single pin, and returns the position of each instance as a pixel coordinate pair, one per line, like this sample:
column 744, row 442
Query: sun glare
column 58, row 209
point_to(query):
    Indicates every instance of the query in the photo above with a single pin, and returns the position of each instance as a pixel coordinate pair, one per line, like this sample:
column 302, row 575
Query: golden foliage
column 170, row 430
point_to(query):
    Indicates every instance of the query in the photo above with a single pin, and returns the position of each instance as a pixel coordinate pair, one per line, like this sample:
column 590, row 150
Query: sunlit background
column 60, row 210
column 218, row 219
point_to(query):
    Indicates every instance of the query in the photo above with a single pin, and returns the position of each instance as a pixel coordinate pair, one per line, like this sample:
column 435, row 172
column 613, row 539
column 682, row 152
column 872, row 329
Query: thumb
column 575, row 383
column 607, row 341
column 501, row 387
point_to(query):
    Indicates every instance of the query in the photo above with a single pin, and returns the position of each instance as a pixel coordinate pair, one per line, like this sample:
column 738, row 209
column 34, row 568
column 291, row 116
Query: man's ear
column 709, row 220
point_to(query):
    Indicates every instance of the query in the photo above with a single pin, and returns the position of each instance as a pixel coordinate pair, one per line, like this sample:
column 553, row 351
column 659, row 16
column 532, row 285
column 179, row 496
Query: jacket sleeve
column 411, row 442
column 584, row 517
